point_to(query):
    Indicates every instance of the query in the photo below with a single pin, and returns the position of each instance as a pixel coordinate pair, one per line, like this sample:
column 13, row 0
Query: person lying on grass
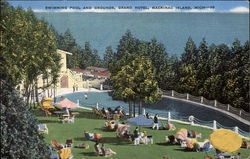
column 102, row 151
column 92, row 136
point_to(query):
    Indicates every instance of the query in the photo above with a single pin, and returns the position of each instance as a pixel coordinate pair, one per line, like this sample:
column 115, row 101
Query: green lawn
column 125, row 150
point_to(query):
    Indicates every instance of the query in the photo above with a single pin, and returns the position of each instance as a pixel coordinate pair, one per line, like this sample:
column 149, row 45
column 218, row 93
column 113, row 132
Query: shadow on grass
column 89, row 115
column 165, row 144
column 80, row 139
column 39, row 113
column 104, row 129
column 114, row 141
column 183, row 150
column 48, row 121
column 88, row 153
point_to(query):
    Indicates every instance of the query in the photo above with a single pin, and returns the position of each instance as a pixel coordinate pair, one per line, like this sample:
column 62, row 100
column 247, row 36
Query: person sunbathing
column 107, row 151
column 89, row 136
column 170, row 126
column 193, row 134
column 98, row 149
column 92, row 136
column 127, row 136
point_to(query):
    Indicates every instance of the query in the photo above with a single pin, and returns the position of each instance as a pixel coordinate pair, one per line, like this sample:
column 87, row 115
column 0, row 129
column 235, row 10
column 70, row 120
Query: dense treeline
column 28, row 51
column 81, row 56
column 215, row 72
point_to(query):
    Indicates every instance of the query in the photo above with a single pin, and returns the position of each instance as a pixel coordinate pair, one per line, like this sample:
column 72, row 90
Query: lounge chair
column 68, row 119
column 107, row 151
column 69, row 143
column 56, row 145
column 43, row 129
column 47, row 103
column 65, row 153
column 98, row 151
column 92, row 136
column 222, row 155
column 245, row 145
column 52, row 154
column 89, row 136
column 171, row 139
column 101, row 151
column 207, row 147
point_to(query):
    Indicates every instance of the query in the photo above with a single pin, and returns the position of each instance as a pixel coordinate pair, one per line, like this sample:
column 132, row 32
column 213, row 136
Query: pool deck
column 64, row 91
column 210, row 107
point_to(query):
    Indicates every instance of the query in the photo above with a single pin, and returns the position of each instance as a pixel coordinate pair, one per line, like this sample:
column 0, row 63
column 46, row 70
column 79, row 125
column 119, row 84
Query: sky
column 168, row 6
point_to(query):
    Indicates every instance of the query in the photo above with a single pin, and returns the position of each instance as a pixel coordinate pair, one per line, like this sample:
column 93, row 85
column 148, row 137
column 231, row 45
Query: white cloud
column 240, row 9
column 39, row 10
column 207, row 10
column 115, row 10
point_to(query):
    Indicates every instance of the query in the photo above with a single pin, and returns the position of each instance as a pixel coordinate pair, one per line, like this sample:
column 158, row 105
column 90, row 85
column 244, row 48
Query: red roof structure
column 78, row 70
column 100, row 74
column 96, row 69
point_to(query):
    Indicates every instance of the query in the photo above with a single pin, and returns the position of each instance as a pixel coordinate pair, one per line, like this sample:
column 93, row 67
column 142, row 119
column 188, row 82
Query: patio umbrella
column 225, row 140
column 65, row 103
column 140, row 121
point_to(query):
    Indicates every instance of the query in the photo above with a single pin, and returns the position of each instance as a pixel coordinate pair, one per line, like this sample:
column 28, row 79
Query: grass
column 125, row 150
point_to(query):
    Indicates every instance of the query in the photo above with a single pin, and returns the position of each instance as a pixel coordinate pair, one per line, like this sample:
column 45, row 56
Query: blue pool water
column 178, row 109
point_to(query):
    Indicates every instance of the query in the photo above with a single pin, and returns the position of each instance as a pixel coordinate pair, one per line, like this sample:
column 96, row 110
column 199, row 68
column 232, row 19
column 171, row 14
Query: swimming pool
column 177, row 108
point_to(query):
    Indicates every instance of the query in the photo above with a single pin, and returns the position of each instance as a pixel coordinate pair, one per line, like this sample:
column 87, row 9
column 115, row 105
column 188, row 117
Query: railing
column 168, row 116
column 239, row 113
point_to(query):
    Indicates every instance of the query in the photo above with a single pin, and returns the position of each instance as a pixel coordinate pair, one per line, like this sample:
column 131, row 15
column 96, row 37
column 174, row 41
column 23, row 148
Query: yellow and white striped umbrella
column 226, row 140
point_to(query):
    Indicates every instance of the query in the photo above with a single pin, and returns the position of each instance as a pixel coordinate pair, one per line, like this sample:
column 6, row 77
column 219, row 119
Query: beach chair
column 56, row 145
column 206, row 147
column 47, row 103
column 69, row 143
column 222, row 155
column 43, row 129
column 98, row 151
column 65, row 153
column 245, row 145
column 68, row 119
column 96, row 112
column 171, row 139
column 89, row 136
column 52, row 154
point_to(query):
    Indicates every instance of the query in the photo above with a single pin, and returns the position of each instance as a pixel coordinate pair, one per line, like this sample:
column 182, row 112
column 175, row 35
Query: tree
column 67, row 42
column 109, row 57
column 28, row 51
column 171, row 74
column 187, row 79
column 158, row 55
column 127, row 45
column 190, row 54
column 203, row 68
column 19, row 131
column 136, row 82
